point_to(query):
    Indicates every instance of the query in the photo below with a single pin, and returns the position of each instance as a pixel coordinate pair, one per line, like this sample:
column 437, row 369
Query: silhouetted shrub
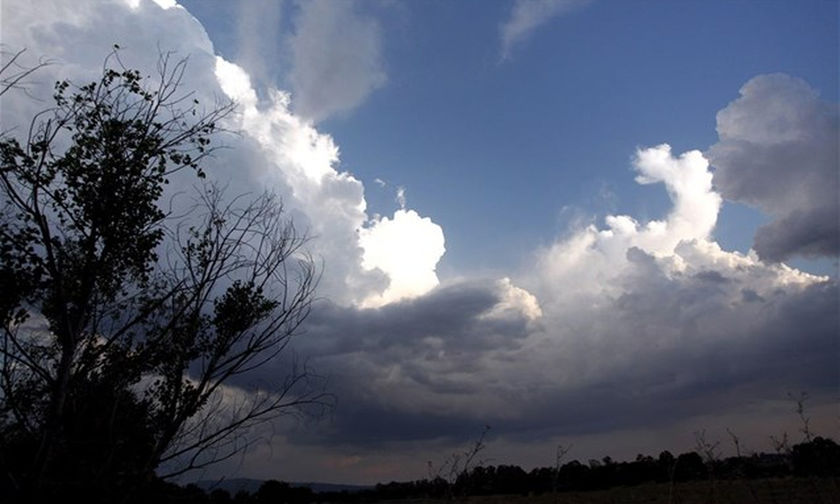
column 689, row 467
column 820, row 457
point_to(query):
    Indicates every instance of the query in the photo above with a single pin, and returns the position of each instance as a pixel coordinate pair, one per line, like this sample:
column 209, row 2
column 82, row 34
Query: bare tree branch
column 13, row 74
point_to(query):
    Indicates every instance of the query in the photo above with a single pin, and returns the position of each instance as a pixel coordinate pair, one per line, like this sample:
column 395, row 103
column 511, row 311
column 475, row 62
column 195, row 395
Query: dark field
column 769, row 491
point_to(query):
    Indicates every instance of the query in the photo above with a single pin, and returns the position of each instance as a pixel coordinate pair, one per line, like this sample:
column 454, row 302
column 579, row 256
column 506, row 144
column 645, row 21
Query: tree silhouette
column 125, row 329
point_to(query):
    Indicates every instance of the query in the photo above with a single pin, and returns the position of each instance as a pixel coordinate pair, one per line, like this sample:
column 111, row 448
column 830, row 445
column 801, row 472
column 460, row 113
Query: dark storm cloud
column 669, row 348
column 810, row 232
column 778, row 151
column 452, row 315
column 375, row 359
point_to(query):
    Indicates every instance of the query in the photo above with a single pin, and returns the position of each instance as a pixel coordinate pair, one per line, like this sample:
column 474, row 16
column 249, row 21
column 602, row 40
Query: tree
column 126, row 329
column 13, row 74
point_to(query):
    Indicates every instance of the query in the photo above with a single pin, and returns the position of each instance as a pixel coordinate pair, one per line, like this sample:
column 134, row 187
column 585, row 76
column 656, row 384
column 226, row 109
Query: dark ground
column 769, row 491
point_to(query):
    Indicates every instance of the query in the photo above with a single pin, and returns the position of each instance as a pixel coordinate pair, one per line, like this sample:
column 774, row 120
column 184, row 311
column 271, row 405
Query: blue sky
column 518, row 147
column 552, row 268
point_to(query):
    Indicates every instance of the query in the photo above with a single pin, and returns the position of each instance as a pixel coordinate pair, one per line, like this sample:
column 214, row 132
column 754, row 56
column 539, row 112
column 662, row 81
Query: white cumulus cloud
column 407, row 248
column 592, row 256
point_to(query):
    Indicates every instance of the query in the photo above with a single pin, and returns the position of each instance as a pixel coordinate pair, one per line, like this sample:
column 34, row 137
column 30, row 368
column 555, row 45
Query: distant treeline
column 819, row 457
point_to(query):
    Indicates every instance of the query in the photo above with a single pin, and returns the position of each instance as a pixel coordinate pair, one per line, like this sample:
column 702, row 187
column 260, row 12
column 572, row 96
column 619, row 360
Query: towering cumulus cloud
column 592, row 256
column 778, row 151
column 405, row 248
column 277, row 150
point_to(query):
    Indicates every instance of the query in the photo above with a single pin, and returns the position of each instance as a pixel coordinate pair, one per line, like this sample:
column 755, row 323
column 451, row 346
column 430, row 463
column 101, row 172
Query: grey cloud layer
column 778, row 151
column 667, row 348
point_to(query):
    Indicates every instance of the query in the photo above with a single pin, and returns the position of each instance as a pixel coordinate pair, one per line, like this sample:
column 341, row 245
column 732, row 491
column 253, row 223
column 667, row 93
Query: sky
column 600, row 223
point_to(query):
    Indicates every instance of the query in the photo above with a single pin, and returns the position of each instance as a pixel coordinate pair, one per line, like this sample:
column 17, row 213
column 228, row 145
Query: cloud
column 778, row 151
column 590, row 257
column 336, row 58
column 398, row 255
column 610, row 328
column 277, row 149
column 400, row 198
column 258, row 32
column 410, row 369
column 407, row 249
column 664, row 350
column 528, row 15
column 632, row 325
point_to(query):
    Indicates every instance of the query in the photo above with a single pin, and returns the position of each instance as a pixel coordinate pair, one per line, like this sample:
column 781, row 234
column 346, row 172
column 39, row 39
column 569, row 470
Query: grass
column 763, row 491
